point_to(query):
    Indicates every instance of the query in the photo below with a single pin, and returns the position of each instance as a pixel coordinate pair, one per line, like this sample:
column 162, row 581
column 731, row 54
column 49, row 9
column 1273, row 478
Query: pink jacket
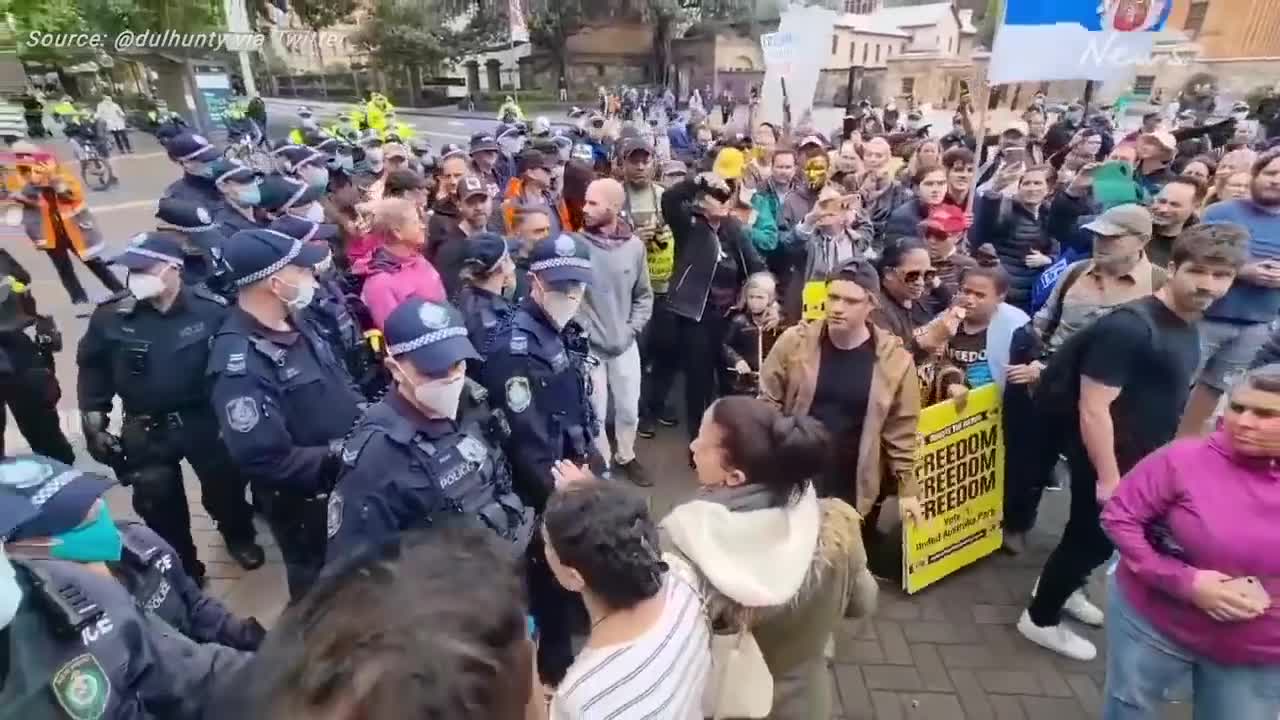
column 392, row 280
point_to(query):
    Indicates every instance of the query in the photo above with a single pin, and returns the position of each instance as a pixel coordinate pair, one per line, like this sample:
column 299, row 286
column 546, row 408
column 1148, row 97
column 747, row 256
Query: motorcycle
column 93, row 168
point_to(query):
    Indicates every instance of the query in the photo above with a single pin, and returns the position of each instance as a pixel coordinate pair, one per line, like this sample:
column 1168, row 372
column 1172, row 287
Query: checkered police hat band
column 190, row 155
column 430, row 338
column 273, row 268
column 560, row 262
column 155, row 255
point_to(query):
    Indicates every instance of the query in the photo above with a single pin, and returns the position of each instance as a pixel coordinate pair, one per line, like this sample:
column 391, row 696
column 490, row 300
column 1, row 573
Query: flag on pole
column 1074, row 39
column 519, row 28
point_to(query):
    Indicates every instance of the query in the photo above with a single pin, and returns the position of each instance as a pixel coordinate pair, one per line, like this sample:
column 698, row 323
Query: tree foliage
column 416, row 34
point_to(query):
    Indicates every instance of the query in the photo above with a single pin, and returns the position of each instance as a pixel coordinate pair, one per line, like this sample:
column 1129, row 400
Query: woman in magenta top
column 397, row 270
column 1197, row 526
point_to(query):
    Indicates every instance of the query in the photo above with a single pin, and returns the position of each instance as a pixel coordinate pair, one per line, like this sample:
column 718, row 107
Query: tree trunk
column 661, row 48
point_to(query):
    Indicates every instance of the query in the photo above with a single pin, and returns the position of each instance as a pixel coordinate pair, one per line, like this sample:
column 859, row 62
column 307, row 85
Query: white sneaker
column 1079, row 607
column 1058, row 638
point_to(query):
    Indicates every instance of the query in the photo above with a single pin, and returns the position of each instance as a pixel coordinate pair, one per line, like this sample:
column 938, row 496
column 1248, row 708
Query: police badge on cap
column 433, row 317
column 564, row 246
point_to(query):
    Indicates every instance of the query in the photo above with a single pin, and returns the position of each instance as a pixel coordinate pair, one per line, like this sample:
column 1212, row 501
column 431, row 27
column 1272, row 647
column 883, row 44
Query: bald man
column 618, row 303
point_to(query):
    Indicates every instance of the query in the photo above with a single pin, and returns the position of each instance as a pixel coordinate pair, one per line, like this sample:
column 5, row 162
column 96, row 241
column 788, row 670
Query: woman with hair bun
column 764, row 551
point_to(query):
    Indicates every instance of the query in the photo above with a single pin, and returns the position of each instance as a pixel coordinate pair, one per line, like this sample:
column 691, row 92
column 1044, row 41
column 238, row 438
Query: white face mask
column 560, row 307
column 441, row 397
column 302, row 295
column 144, row 286
column 373, row 157
column 10, row 591
column 314, row 213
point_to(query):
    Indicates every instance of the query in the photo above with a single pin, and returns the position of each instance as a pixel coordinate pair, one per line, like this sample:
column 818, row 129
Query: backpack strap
column 1060, row 294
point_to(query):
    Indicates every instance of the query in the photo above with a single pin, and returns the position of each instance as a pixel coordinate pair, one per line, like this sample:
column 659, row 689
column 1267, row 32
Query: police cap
column 190, row 146
column 431, row 335
column 149, row 248
column 231, row 171
column 299, row 155
column 41, row 497
column 563, row 259
column 485, row 250
column 257, row 254
column 279, row 193
column 303, row 229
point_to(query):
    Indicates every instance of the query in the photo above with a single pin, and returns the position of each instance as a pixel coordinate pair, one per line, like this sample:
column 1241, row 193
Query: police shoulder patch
column 518, row 395
column 333, row 517
column 242, row 414
column 82, row 687
column 519, row 344
column 471, row 449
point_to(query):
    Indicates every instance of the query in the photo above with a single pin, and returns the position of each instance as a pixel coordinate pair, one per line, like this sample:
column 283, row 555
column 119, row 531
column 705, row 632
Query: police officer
column 28, row 385
column 76, row 644
column 488, row 273
column 289, row 196
column 150, row 346
column 196, row 155
column 304, row 164
column 147, row 566
column 372, row 168
column 241, row 190
column 418, row 456
column 535, row 370
column 202, row 240
column 283, row 399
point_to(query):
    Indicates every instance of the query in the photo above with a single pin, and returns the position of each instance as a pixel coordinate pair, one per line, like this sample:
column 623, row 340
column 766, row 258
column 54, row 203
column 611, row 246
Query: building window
column 908, row 86
column 860, row 7
column 1195, row 18
column 865, row 48
column 1144, row 84
column 877, row 53
column 853, row 49
column 835, row 44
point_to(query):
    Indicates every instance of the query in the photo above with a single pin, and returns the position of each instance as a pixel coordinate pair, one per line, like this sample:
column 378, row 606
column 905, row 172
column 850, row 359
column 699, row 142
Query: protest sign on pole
column 960, row 468
column 1038, row 40
column 797, row 52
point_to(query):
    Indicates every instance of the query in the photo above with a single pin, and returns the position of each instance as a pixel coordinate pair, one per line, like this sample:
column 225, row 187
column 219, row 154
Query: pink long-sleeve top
column 1197, row 504
column 393, row 279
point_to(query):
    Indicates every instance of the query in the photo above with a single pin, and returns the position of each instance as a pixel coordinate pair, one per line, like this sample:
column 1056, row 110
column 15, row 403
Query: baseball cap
column 257, row 254
column 395, row 150
column 561, row 260
column 730, row 163
column 191, row 146
column 147, row 249
column 945, row 218
column 1166, row 139
column 432, row 336
column 299, row 155
column 630, row 146
column 449, row 150
column 812, row 140
column 863, row 274
column 483, row 141
column 281, row 193
column 486, row 250
column 531, row 159
column 401, row 181
column 471, row 186
column 675, row 167
column 303, row 229
column 41, row 497
column 1127, row 219
column 231, row 171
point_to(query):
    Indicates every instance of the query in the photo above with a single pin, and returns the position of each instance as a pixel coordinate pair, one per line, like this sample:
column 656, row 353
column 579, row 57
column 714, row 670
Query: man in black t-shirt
column 1135, row 370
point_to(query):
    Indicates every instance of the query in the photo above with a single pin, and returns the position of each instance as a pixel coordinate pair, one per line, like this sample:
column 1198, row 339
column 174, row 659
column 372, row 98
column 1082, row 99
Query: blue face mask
column 99, row 541
column 249, row 196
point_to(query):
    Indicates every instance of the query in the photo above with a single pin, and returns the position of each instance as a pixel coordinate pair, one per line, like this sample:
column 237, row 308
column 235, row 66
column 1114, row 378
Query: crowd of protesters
column 432, row 369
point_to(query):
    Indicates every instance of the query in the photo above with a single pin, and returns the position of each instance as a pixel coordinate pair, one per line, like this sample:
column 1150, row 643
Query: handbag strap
column 722, row 686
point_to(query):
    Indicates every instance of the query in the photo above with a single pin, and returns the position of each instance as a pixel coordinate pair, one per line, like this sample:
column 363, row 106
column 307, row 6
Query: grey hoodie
column 619, row 300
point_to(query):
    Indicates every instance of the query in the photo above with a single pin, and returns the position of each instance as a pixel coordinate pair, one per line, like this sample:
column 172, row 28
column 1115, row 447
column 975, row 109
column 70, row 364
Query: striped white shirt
column 659, row 675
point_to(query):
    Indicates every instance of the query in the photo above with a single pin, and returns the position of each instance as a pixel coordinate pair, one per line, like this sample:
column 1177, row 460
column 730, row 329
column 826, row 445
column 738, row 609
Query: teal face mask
column 99, row 541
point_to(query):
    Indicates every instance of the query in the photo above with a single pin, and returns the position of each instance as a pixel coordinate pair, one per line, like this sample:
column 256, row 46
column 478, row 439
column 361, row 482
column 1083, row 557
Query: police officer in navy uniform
column 488, row 275
column 535, row 370
column 28, row 384
column 75, row 643
column 202, row 240
column 150, row 346
column 288, row 196
column 431, row 450
column 283, row 399
column 305, row 164
column 241, row 192
column 195, row 155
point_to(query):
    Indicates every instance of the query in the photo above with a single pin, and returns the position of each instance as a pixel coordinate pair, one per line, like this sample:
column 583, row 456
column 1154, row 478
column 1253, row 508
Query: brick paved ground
column 949, row 653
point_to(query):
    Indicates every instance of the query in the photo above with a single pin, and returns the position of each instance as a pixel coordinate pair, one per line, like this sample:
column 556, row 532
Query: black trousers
column 1084, row 545
column 122, row 140
column 61, row 258
column 31, row 393
column 155, row 446
column 298, row 522
column 659, row 359
column 700, row 356
column 1033, row 442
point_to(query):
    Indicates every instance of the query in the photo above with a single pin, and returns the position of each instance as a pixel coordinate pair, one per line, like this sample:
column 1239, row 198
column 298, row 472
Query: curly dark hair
column 431, row 625
column 604, row 531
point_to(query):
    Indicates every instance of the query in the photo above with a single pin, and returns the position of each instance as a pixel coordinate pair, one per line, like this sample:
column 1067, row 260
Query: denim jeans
column 1143, row 665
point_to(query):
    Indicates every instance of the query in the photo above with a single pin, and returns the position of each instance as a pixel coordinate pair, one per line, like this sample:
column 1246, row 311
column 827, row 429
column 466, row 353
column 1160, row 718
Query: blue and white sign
column 1075, row 39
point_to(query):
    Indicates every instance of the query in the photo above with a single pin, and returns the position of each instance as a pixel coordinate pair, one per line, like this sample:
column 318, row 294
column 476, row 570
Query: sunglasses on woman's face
column 916, row 276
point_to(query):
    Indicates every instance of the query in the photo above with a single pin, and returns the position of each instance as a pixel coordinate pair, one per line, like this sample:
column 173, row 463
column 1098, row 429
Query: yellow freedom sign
column 960, row 468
